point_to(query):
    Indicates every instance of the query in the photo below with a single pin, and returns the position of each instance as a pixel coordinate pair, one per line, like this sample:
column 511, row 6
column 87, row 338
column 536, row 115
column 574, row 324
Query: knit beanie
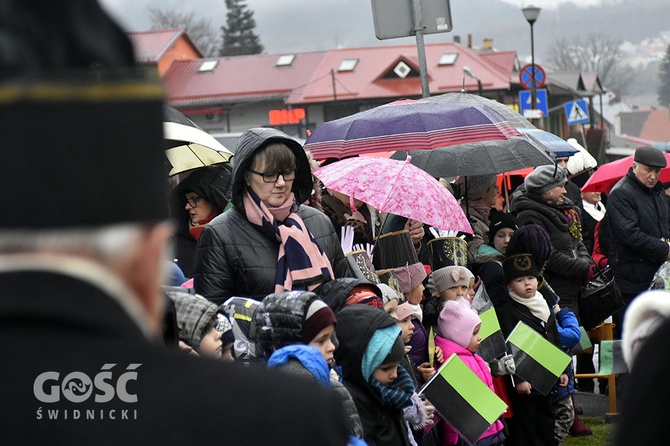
column 405, row 309
column 544, row 178
column 520, row 265
column 388, row 293
column 457, row 321
column 410, row 276
column 317, row 317
column 366, row 295
column 448, row 277
column 499, row 220
column 381, row 348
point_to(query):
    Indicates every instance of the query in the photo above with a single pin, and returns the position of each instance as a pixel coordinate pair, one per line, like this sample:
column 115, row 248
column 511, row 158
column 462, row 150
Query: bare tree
column 201, row 32
column 594, row 53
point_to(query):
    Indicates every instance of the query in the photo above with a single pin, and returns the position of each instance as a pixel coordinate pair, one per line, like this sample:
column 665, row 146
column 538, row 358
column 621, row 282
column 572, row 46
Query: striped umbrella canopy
column 408, row 125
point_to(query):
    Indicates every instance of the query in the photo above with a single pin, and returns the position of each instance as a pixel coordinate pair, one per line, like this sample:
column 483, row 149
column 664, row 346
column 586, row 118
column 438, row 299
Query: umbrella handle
column 352, row 205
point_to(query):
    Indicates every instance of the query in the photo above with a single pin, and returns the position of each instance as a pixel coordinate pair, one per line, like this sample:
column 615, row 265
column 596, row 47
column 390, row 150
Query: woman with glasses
column 268, row 242
column 194, row 202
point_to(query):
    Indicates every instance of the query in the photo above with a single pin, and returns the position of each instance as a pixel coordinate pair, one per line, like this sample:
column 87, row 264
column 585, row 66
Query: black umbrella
column 478, row 158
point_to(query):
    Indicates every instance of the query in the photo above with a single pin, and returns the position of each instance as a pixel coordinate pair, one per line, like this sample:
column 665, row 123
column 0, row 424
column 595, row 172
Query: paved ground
column 594, row 405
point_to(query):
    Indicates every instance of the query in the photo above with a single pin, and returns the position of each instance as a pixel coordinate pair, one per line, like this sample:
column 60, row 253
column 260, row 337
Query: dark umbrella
column 479, row 158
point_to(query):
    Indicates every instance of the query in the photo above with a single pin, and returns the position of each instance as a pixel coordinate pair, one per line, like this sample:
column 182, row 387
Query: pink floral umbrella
column 396, row 187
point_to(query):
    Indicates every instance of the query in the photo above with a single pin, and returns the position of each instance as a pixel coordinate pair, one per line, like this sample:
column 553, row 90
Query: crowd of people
column 266, row 332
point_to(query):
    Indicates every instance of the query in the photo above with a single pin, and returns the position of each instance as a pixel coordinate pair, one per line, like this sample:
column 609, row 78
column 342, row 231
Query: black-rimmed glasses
column 193, row 201
column 272, row 177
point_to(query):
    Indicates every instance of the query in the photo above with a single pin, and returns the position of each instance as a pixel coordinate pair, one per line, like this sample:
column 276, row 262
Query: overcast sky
column 312, row 25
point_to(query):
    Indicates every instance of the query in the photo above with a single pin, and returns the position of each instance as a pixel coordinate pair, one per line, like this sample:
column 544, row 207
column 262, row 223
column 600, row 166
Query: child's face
column 386, row 373
column 391, row 306
column 211, row 344
column 415, row 295
column 524, row 286
column 501, row 239
column 476, row 339
column 471, row 288
column 455, row 292
column 324, row 342
column 407, row 329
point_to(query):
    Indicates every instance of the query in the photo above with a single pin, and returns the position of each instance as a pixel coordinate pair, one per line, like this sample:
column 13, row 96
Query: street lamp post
column 467, row 70
column 531, row 13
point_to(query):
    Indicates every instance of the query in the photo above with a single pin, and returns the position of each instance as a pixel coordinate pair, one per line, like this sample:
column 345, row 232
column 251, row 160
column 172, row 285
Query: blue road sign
column 540, row 100
column 577, row 112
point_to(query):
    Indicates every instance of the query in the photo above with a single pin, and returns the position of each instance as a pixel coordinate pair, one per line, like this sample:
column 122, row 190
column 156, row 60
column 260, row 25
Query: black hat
column 520, row 265
column 82, row 125
column 393, row 250
column 650, row 156
column 448, row 251
column 499, row 220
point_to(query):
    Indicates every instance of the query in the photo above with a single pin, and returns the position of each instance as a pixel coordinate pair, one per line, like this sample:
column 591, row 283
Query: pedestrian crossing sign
column 577, row 112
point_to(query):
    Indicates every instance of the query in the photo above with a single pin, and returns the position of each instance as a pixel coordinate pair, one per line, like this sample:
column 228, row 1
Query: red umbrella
column 607, row 175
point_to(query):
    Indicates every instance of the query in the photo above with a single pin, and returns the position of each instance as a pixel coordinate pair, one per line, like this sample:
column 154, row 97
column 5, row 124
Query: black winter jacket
column 569, row 262
column 638, row 218
column 383, row 425
column 233, row 258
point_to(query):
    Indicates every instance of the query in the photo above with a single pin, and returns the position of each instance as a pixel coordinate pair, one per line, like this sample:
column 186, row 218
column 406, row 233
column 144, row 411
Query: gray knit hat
column 544, row 178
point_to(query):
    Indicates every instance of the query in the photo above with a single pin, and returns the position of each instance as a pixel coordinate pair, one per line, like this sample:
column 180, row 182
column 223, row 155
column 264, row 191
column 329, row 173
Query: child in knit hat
column 534, row 417
column 451, row 283
column 458, row 333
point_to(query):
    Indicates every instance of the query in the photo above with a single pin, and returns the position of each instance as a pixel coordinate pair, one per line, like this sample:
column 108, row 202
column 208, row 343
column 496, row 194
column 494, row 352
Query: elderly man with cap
column 639, row 224
column 82, row 259
column 544, row 202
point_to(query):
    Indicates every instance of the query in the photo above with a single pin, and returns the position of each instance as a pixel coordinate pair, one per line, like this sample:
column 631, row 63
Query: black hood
column 355, row 326
column 211, row 183
column 251, row 142
column 335, row 292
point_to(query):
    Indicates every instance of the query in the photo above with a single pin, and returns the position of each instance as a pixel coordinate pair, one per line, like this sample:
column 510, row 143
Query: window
column 285, row 60
column 208, row 65
column 448, row 59
column 348, row 65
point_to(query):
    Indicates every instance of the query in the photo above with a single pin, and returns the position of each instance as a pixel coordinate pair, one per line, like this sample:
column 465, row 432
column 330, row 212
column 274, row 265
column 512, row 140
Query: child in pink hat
column 458, row 332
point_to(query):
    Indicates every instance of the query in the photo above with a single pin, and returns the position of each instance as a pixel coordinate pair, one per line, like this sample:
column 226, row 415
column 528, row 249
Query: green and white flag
column 462, row 399
column 493, row 341
column 584, row 342
column 537, row 360
column 610, row 358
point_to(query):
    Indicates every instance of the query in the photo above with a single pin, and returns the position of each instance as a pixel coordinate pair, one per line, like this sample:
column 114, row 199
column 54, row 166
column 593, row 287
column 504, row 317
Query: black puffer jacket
column 383, row 425
column 211, row 183
column 280, row 319
column 233, row 258
column 638, row 218
column 569, row 262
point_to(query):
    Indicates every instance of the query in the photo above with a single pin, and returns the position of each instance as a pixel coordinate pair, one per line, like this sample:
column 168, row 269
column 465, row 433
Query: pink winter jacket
column 481, row 369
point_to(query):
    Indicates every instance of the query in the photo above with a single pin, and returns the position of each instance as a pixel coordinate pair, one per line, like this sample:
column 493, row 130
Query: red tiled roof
column 151, row 45
column 364, row 81
column 657, row 126
column 236, row 78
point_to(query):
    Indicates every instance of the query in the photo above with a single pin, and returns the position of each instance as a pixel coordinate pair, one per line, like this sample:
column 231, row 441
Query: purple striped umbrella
column 408, row 125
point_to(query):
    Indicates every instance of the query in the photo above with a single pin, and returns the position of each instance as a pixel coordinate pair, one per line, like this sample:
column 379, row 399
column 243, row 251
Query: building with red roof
column 163, row 46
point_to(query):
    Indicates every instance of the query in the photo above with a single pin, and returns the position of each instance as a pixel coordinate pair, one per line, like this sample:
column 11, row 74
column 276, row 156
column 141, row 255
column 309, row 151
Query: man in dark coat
column 80, row 269
column 639, row 225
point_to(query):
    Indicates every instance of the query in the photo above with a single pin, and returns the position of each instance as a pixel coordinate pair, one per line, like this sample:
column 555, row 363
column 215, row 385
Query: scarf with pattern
column 398, row 393
column 301, row 263
column 568, row 209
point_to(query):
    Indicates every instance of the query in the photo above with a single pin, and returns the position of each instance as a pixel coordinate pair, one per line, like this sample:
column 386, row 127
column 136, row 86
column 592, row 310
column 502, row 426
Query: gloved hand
column 503, row 366
column 589, row 275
